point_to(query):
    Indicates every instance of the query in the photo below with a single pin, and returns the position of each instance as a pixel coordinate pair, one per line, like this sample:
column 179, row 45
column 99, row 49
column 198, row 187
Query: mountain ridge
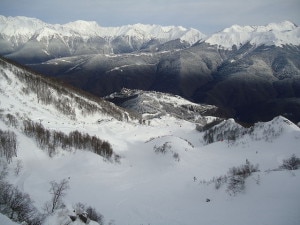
column 278, row 34
column 15, row 26
column 17, row 31
column 10, row 26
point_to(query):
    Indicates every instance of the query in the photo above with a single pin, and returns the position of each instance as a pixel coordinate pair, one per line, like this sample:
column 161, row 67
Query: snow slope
column 278, row 34
column 165, row 168
column 6, row 221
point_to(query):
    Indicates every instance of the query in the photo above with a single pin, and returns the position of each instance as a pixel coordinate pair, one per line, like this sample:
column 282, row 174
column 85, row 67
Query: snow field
column 148, row 187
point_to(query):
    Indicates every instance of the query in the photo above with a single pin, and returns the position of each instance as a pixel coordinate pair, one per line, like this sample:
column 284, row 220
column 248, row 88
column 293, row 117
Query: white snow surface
column 4, row 220
column 278, row 34
column 147, row 187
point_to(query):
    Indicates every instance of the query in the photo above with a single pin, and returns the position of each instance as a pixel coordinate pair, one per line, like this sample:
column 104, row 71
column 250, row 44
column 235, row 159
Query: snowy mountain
column 20, row 26
column 162, row 172
column 16, row 31
column 19, row 35
column 278, row 34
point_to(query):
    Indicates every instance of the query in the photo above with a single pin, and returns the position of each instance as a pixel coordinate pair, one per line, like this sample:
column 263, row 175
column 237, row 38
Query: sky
column 208, row 16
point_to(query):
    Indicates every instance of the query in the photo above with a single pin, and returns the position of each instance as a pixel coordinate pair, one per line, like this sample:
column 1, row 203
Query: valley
column 245, row 70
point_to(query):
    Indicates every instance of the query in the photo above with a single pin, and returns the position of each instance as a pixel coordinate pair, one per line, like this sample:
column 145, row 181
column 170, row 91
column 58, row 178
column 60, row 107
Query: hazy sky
column 208, row 16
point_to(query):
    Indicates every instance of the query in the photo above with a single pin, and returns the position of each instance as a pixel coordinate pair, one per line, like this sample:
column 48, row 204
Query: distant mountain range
column 19, row 34
column 31, row 40
column 251, row 72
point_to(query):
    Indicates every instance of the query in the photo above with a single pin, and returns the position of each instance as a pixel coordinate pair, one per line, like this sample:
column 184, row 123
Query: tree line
column 61, row 95
column 8, row 144
column 51, row 140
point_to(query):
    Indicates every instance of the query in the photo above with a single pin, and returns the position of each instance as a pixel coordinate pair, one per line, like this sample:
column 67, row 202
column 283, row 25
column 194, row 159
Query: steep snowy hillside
column 65, row 100
column 164, row 172
column 278, row 34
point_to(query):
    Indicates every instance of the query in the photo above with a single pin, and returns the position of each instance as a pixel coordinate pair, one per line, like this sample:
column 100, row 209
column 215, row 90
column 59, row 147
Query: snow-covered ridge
column 231, row 131
column 14, row 26
column 152, row 104
column 19, row 30
column 278, row 34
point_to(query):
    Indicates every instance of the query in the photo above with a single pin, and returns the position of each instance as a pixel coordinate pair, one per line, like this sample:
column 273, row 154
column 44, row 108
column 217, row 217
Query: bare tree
column 292, row 163
column 238, row 175
column 57, row 191
column 18, row 167
column 8, row 145
column 17, row 205
column 3, row 169
column 94, row 215
column 91, row 212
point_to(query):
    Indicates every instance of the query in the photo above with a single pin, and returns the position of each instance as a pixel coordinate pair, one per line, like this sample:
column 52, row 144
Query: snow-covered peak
column 266, row 131
column 278, row 123
column 192, row 36
column 148, row 32
column 238, row 28
column 20, row 25
column 283, row 26
column 46, row 33
column 278, row 34
column 82, row 27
